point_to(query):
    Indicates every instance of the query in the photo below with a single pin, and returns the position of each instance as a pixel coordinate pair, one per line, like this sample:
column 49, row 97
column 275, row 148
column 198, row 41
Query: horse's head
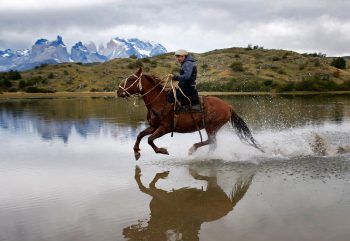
column 131, row 86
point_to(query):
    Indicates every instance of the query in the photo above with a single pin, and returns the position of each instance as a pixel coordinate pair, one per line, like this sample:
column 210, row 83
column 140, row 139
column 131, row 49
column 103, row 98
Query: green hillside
column 233, row 69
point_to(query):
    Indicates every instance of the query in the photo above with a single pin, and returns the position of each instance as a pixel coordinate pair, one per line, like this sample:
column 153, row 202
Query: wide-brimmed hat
column 181, row 52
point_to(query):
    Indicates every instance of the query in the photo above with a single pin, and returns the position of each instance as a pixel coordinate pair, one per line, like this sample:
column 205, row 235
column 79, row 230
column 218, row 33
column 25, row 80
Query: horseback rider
column 186, row 94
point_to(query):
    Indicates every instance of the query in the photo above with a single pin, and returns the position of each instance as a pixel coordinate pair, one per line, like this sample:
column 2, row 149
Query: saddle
column 190, row 108
column 198, row 108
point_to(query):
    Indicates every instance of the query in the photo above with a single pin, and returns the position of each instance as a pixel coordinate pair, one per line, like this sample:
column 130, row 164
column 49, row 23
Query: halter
column 138, row 79
column 125, row 89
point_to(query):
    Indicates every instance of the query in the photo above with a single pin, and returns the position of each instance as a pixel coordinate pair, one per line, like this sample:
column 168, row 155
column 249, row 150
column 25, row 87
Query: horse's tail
column 243, row 131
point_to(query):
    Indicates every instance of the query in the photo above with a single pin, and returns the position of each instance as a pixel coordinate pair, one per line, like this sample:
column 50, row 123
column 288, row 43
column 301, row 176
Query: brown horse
column 160, row 114
column 179, row 214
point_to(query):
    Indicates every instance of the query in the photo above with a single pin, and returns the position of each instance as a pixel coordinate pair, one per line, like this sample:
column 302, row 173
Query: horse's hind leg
column 211, row 140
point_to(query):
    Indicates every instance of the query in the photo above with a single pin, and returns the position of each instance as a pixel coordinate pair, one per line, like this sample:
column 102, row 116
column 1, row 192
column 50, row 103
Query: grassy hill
column 233, row 69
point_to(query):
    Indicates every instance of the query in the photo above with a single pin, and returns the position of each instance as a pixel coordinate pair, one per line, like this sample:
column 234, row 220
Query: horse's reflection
column 178, row 214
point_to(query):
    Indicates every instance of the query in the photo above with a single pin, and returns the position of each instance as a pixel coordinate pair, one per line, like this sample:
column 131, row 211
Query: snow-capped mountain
column 121, row 48
column 44, row 50
column 51, row 52
column 86, row 53
column 10, row 59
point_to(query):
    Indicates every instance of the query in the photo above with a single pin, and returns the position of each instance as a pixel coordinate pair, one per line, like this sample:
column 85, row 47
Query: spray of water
column 277, row 144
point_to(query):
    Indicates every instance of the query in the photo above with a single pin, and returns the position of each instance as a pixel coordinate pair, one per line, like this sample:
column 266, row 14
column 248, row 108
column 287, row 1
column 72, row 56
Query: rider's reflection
column 178, row 214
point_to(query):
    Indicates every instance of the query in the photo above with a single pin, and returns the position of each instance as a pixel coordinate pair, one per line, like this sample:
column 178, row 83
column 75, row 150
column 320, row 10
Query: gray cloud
column 312, row 26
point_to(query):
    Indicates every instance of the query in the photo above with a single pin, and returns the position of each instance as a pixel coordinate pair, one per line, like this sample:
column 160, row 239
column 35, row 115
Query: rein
column 138, row 79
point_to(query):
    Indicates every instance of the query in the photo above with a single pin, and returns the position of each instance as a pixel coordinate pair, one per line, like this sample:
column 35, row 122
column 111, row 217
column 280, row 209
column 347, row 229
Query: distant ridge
column 52, row 52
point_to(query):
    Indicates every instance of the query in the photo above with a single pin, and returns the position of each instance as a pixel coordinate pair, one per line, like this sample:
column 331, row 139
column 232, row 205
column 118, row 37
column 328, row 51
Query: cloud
column 313, row 26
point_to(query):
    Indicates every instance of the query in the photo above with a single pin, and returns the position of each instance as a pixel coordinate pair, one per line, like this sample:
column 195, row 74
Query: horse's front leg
column 142, row 134
column 160, row 131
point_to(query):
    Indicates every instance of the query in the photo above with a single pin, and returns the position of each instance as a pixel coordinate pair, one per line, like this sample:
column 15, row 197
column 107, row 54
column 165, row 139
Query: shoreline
column 19, row 95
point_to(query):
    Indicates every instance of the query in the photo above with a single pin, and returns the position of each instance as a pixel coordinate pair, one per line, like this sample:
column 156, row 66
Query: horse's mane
column 156, row 80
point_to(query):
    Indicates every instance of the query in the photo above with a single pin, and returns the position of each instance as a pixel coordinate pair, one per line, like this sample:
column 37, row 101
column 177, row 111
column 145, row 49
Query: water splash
column 278, row 144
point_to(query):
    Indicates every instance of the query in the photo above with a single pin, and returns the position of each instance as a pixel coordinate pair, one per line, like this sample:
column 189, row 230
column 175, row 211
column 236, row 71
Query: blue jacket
column 188, row 73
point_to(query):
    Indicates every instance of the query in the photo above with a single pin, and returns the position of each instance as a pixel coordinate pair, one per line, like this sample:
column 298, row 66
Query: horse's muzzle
column 121, row 93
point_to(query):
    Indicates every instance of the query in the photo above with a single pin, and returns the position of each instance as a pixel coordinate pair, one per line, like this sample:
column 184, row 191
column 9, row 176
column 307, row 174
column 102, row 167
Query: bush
column 336, row 73
column 12, row 89
column 237, row 66
column 317, row 63
column 34, row 89
column 22, row 84
column 95, row 90
column 5, row 83
column 204, row 66
column 35, row 80
column 50, row 76
column 13, row 75
column 281, row 71
column 154, row 64
column 146, row 60
column 237, row 85
column 339, row 63
column 139, row 63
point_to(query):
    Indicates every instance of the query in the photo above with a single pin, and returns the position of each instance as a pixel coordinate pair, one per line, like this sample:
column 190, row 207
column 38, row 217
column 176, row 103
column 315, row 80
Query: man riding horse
column 186, row 94
column 161, row 117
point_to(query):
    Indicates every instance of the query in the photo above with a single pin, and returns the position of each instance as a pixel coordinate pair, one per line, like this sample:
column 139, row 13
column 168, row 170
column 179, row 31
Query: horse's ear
column 139, row 71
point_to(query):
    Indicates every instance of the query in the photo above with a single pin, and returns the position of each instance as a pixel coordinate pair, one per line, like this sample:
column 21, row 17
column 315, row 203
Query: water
column 67, row 172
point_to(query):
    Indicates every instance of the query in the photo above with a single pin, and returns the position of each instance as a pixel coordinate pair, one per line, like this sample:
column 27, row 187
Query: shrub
column 204, row 66
column 34, row 81
column 275, row 58
column 339, row 63
column 13, row 75
column 237, row 66
column 22, row 84
column 6, row 83
column 133, row 56
column 154, row 63
column 139, row 63
column 50, row 76
column 317, row 63
column 12, row 89
column 34, row 89
column 336, row 73
column 249, row 47
column 281, row 71
column 146, row 60
column 285, row 55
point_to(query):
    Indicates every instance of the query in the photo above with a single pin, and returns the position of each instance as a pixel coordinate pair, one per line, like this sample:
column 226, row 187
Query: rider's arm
column 187, row 67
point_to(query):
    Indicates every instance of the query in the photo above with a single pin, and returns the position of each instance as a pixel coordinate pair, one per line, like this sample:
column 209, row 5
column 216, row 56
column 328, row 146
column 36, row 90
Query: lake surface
column 67, row 172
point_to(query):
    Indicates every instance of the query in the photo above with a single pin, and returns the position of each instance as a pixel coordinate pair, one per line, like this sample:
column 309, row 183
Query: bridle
column 139, row 84
column 125, row 89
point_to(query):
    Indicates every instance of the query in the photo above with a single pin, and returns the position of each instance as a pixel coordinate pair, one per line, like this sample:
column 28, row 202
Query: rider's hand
column 171, row 76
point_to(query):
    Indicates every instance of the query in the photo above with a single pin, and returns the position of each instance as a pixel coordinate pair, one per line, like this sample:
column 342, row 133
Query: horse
column 181, row 212
column 160, row 114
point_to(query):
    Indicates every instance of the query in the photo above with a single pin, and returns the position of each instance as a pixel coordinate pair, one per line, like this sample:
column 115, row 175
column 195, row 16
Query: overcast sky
column 198, row 26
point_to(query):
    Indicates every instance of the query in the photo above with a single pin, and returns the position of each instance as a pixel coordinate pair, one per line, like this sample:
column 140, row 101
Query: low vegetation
column 235, row 69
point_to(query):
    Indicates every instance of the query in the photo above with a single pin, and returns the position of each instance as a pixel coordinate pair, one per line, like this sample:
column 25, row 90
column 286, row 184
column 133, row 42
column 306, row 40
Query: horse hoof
column 163, row 151
column 137, row 171
column 191, row 150
column 163, row 175
column 137, row 155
